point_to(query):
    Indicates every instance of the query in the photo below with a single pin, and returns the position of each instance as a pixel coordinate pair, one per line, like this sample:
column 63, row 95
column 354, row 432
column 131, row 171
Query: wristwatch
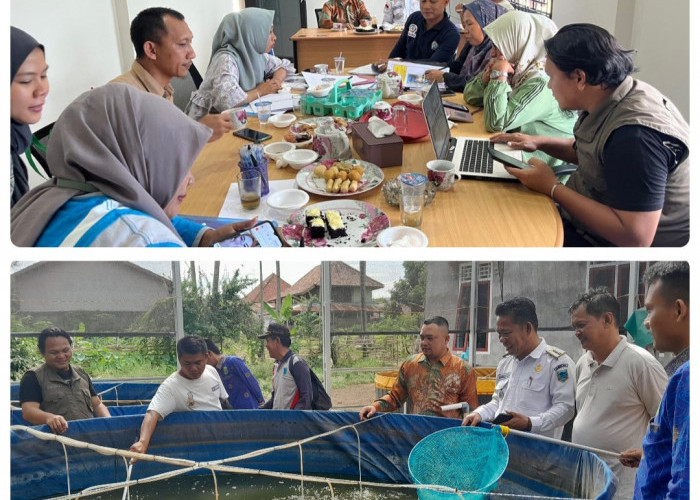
column 497, row 74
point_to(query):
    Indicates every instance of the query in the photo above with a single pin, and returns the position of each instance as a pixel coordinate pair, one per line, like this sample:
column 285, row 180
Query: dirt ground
column 352, row 397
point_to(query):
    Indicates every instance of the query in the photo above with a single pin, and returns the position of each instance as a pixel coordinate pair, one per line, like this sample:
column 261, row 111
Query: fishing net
column 465, row 458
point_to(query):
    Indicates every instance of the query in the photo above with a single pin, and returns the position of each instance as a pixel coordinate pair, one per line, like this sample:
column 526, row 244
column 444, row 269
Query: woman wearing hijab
column 512, row 89
column 476, row 53
column 121, row 159
column 29, row 87
column 241, row 68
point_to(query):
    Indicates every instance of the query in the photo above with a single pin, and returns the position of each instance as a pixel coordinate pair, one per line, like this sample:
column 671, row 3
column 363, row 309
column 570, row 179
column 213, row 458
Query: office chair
column 318, row 17
column 183, row 87
column 37, row 150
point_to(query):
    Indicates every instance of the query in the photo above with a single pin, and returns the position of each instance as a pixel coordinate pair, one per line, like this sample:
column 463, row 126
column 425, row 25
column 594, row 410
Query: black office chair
column 543, row 10
column 318, row 17
column 183, row 87
column 37, row 150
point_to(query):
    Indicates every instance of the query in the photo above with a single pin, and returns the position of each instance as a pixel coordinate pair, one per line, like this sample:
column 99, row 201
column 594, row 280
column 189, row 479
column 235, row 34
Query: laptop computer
column 470, row 155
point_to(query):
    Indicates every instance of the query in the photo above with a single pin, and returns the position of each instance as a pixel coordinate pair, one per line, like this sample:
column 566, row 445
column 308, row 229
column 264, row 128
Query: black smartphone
column 500, row 418
column 454, row 105
column 507, row 159
column 263, row 234
column 447, row 92
column 252, row 135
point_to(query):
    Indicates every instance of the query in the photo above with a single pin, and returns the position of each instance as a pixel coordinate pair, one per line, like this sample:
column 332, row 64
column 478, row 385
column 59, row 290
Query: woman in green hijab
column 512, row 89
column 241, row 67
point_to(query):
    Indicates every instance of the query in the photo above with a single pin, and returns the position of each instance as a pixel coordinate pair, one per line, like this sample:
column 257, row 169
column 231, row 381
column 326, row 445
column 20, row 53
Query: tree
column 409, row 291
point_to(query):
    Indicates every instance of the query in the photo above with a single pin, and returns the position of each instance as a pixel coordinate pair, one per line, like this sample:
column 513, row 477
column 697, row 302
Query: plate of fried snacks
column 338, row 178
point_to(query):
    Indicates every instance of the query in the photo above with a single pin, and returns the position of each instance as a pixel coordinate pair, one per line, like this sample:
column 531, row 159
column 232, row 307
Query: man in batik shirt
column 351, row 13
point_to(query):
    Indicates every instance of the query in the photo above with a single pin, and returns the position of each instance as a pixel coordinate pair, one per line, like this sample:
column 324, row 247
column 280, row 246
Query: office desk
column 473, row 213
column 317, row 45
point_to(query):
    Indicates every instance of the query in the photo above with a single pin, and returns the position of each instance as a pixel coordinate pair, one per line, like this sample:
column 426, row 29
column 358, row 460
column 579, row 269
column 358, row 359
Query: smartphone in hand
column 507, row 159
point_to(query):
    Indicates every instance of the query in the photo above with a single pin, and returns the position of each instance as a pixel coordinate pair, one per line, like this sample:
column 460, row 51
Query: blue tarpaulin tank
column 38, row 467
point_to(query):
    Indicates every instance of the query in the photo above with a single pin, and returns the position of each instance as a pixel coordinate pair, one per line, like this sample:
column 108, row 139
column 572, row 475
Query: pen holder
column 262, row 168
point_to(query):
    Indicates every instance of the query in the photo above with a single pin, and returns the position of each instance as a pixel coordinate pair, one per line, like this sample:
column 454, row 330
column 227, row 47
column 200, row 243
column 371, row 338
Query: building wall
column 86, row 286
column 553, row 286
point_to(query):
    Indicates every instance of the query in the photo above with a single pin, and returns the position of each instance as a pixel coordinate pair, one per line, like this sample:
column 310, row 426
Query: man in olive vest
column 631, row 145
column 57, row 391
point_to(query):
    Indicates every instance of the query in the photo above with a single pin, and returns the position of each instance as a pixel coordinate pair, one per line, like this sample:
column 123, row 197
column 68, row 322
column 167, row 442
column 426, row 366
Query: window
column 483, row 306
column 615, row 276
column 543, row 7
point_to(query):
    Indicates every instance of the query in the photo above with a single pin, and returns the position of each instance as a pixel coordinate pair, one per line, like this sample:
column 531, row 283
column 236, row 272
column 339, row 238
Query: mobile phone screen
column 252, row 135
column 507, row 159
column 262, row 235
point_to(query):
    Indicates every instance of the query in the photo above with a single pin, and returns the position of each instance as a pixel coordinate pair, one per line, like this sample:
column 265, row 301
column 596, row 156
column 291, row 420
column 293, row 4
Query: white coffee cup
column 239, row 119
column 442, row 173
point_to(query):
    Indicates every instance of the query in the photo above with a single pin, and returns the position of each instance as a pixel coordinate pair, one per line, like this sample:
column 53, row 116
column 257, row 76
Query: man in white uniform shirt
column 619, row 385
column 196, row 386
column 534, row 382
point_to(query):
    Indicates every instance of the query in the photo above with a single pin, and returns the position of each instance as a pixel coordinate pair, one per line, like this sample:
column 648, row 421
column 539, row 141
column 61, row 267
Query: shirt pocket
column 535, row 395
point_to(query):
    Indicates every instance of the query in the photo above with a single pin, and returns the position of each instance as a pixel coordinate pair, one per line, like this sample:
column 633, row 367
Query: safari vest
column 68, row 398
column 635, row 103
column 283, row 385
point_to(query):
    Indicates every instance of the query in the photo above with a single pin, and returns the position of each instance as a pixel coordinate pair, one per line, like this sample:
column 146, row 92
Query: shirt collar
column 151, row 84
column 537, row 351
column 616, row 353
column 444, row 359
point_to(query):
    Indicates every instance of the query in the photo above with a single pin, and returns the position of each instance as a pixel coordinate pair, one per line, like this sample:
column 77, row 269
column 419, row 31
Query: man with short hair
column 163, row 44
column 534, row 382
column 618, row 385
column 664, row 470
column 631, row 145
column 57, row 391
column 431, row 379
column 242, row 386
column 196, row 386
column 291, row 376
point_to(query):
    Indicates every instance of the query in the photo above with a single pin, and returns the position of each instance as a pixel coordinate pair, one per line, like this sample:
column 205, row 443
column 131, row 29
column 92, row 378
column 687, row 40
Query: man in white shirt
column 618, row 385
column 534, row 382
column 195, row 387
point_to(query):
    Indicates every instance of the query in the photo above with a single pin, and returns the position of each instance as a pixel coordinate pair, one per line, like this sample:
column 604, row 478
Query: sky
column 290, row 271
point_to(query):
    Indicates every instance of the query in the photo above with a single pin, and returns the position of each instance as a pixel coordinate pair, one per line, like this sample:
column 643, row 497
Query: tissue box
column 382, row 151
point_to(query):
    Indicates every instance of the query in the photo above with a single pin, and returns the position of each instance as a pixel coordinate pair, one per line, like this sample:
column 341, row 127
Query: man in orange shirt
column 432, row 379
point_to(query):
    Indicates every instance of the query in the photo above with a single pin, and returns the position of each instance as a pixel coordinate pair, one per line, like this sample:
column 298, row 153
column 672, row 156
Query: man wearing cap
column 534, row 381
column 291, row 379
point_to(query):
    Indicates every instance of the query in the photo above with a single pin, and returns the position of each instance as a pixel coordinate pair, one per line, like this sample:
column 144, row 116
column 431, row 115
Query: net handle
column 505, row 430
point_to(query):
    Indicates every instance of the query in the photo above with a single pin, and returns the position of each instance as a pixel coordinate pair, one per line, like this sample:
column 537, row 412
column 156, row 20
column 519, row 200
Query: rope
column 219, row 466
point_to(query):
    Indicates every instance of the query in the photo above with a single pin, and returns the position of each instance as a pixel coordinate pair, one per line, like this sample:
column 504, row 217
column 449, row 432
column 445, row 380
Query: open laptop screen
column 437, row 122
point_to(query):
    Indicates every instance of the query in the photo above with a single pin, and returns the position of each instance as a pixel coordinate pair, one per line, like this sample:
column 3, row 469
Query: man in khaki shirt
column 163, row 44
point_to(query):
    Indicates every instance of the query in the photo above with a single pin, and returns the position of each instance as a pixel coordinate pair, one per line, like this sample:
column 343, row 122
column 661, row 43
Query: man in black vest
column 631, row 145
column 57, row 391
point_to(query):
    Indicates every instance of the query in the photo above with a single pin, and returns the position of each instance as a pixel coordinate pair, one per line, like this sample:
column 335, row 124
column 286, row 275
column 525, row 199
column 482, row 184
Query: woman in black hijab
column 28, row 89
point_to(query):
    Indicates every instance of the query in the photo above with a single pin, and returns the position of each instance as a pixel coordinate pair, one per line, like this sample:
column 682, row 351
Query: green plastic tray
column 342, row 101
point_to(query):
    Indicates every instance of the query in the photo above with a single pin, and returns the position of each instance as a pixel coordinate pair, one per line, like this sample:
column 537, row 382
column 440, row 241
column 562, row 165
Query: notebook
column 469, row 154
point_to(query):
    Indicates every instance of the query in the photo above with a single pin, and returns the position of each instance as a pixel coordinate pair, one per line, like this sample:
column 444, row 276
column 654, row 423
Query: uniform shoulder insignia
column 555, row 352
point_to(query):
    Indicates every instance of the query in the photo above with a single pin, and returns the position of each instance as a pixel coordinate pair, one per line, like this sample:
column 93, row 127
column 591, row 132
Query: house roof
column 341, row 275
column 269, row 287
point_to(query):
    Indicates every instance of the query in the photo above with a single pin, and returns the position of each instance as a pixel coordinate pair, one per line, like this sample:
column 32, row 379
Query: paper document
column 281, row 101
column 314, row 79
column 412, row 73
column 232, row 208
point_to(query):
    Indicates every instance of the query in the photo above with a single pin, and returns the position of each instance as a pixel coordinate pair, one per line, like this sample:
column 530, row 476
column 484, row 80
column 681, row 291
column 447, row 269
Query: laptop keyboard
column 476, row 158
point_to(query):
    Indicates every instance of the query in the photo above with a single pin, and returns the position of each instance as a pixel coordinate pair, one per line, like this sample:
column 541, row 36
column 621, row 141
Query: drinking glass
column 412, row 198
column 339, row 65
column 296, row 104
column 264, row 110
column 400, row 119
column 249, row 188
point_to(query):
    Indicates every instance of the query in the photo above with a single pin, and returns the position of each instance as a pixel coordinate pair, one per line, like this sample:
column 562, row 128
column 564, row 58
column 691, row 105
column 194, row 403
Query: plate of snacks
column 339, row 178
column 337, row 223
column 302, row 132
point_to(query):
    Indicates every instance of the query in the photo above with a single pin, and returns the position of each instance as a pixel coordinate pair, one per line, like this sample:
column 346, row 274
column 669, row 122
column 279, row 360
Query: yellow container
column 485, row 381
column 383, row 382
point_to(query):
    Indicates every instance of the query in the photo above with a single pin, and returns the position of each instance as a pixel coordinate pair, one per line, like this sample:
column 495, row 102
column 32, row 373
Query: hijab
column 485, row 12
column 520, row 37
column 132, row 146
column 21, row 45
column 244, row 35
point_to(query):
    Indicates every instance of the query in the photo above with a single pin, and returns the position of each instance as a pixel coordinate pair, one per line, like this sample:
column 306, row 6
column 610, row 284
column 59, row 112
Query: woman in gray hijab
column 121, row 159
column 241, row 68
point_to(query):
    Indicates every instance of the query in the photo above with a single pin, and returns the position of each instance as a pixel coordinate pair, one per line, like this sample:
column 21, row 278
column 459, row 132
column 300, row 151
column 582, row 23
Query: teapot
column 331, row 143
column 390, row 84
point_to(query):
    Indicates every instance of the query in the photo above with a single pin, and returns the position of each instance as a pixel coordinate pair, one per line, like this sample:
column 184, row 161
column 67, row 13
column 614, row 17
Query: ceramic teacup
column 442, row 173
